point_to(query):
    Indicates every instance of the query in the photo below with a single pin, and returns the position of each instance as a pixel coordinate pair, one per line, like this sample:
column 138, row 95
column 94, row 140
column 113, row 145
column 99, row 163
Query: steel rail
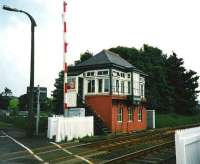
column 138, row 153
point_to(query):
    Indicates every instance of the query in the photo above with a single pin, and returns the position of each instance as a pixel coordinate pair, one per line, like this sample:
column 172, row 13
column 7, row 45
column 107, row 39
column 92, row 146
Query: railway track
column 97, row 144
column 160, row 153
column 101, row 150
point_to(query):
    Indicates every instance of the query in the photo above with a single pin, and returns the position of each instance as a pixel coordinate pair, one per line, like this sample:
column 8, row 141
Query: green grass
column 4, row 125
column 21, row 122
column 172, row 119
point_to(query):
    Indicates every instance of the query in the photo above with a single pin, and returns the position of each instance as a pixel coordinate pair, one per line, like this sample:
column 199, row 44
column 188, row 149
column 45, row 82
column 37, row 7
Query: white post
column 38, row 111
column 154, row 120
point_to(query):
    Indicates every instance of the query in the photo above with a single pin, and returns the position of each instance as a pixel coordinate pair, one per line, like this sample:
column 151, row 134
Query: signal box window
column 130, row 114
column 140, row 115
column 91, row 86
column 120, row 114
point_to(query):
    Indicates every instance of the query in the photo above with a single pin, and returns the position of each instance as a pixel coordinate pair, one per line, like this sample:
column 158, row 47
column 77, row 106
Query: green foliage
column 47, row 105
column 58, row 95
column 6, row 92
column 23, row 102
column 85, row 56
column 4, row 125
column 169, row 86
column 184, row 85
column 172, row 120
column 5, row 97
column 21, row 122
column 4, row 102
column 13, row 104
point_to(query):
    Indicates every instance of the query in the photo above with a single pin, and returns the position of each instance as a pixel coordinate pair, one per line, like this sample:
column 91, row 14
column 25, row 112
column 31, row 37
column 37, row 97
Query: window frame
column 140, row 115
column 130, row 114
column 100, row 89
column 103, row 73
column 104, row 88
column 142, row 90
column 120, row 115
column 129, row 87
column 90, row 74
column 117, row 86
column 91, row 86
column 122, row 87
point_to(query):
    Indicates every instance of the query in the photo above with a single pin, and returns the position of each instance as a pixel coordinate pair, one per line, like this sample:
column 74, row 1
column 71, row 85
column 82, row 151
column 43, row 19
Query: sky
column 171, row 25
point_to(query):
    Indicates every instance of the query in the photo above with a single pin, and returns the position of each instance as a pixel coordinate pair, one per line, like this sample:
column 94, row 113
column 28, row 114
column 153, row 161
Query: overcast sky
column 171, row 25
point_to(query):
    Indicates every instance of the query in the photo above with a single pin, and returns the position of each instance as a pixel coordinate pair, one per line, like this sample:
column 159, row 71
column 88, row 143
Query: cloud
column 15, row 51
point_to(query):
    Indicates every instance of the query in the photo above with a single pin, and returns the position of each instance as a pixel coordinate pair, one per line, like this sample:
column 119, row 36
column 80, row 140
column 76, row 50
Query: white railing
column 188, row 146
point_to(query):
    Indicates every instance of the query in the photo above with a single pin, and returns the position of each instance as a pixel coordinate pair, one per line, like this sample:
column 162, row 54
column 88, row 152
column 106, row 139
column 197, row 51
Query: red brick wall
column 125, row 125
column 107, row 110
column 102, row 105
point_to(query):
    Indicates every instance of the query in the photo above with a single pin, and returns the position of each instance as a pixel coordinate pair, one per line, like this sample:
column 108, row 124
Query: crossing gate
column 188, row 146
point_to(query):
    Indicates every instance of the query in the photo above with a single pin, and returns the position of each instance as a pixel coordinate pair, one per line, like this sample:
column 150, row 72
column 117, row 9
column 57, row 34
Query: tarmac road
column 11, row 145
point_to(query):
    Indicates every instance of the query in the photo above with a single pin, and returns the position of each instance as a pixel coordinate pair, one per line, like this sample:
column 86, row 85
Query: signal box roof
column 106, row 57
column 103, row 59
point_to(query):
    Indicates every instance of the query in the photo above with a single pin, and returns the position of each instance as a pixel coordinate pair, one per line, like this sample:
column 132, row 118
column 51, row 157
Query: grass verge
column 172, row 119
column 4, row 125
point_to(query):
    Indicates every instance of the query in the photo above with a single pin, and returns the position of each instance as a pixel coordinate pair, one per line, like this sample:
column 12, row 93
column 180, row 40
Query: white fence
column 70, row 127
column 188, row 146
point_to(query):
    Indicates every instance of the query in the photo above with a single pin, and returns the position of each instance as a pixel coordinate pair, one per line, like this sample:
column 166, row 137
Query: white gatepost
column 150, row 119
column 187, row 142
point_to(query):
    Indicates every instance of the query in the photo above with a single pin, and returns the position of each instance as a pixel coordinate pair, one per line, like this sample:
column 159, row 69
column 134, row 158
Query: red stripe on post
column 65, row 27
column 65, row 88
column 65, row 105
column 65, row 47
column 64, row 6
column 65, row 67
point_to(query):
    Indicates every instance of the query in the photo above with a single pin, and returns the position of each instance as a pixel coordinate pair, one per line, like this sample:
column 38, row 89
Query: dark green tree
column 152, row 61
column 184, row 84
column 5, row 98
column 47, row 105
column 7, row 92
column 85, row 56
column 23, row 102
column 58, row 95
column 169, row 86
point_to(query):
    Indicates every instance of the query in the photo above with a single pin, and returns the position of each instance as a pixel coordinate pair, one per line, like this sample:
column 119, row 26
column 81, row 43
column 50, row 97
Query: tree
column 84, row 56
column 46, row 105
column 7, row 92
column 5, row 97
column 169, row 86
column 13, row 104
column 152, row 61
column 58, row 95
column 4, row 101
column 23, row 102
column 184, row 83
